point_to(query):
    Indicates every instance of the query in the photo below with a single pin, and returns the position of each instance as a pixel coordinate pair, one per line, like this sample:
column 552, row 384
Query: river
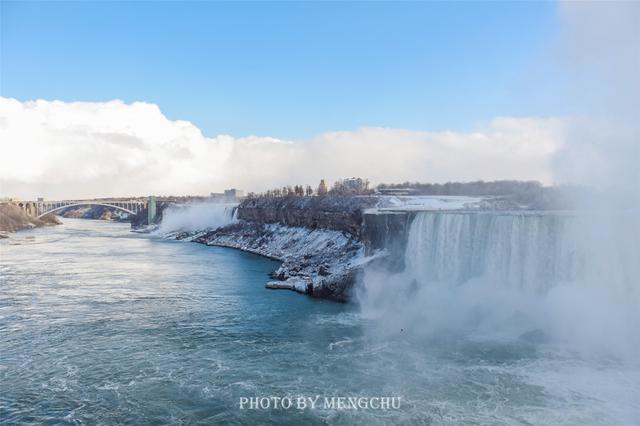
column 101, row 325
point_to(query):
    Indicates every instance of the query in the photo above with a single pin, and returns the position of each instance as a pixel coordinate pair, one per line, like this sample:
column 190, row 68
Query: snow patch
column 425, row 202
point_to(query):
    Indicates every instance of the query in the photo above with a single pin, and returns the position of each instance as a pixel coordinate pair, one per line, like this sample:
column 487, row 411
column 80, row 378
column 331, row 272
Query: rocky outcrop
column 318, row 262
column 338, row 213
column 323, row 242
column 13, row 218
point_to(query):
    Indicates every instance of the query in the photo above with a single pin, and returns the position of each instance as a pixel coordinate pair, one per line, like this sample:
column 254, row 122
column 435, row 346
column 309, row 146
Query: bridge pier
column 151, row 209
column 30, row 208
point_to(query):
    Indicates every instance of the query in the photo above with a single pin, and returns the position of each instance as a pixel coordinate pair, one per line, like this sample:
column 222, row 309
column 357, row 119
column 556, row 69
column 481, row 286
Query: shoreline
column 13, row 219
column 320, row 263
column 324, row 243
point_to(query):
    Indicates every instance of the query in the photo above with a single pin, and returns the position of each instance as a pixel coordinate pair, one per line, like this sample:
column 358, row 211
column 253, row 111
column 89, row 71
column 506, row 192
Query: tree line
column 341, row 187
column 360, row 186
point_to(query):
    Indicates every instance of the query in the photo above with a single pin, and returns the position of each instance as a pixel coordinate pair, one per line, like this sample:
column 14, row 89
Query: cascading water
column 505, row 275
column 529, row 252
column 548, row 302
column 197, row 216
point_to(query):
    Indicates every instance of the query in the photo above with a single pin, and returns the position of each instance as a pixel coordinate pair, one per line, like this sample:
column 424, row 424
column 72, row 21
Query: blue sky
column 289, row 70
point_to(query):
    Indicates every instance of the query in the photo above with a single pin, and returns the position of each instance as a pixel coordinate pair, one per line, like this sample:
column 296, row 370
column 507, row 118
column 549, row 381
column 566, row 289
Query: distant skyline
column 289, row 70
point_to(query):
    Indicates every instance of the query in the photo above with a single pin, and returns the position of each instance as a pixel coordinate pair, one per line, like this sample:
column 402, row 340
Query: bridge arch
column 86, row 204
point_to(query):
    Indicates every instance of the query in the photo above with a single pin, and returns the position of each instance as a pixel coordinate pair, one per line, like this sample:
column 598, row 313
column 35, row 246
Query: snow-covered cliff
column 318, row 262
column 323, row 242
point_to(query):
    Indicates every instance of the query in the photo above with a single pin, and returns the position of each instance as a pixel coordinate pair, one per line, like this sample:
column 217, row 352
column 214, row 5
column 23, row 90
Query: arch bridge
column 128, row 207
column 42, row 208
column 132, row 207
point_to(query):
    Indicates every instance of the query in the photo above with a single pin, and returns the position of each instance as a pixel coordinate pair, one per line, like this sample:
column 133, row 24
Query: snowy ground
column 426, row 202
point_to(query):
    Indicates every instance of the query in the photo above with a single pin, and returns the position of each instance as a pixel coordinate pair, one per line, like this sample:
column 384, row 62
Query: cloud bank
column 86, row 149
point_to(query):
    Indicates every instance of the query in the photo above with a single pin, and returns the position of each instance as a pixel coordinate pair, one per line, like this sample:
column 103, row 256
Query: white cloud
column 81, row 149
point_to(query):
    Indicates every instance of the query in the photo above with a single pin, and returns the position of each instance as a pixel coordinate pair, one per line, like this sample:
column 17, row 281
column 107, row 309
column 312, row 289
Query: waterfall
column 529, row 252
column 197, row 216
column 570, row 277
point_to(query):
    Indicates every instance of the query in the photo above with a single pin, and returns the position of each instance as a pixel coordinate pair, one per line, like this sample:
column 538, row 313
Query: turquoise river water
column 99, row 325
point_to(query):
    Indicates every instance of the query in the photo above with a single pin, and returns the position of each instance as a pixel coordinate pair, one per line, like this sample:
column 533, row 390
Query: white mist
column 196, row 216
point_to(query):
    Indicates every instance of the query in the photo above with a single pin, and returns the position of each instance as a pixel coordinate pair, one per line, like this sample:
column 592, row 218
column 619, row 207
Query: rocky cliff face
column 323, row 242
column 387, row 232
column 333, row 213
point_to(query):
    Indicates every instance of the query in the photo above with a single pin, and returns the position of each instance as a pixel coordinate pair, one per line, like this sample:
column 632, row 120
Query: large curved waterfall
column 525, row 251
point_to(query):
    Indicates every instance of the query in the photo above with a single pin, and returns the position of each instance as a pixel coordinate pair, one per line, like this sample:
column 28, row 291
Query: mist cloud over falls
column 83, row 149
column 595, row 308
column 601, row 59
